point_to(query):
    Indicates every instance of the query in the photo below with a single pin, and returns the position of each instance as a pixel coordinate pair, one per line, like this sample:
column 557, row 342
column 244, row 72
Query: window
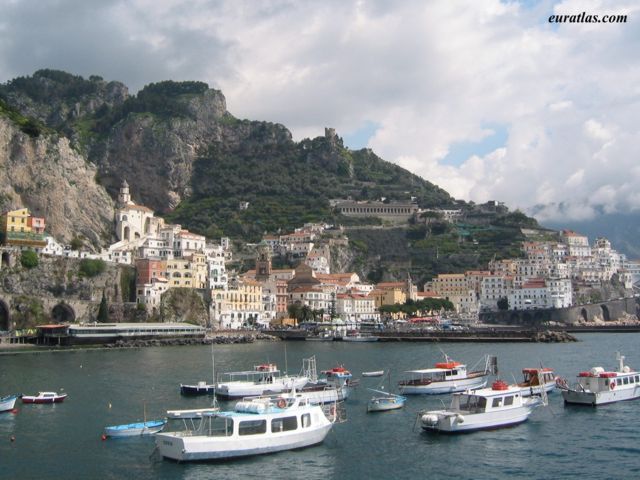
column 626, row 380
column 497, row 402
column 220, row 427
column 508, row 400
column 306, row 420
column 284, row 424
column 252, row 427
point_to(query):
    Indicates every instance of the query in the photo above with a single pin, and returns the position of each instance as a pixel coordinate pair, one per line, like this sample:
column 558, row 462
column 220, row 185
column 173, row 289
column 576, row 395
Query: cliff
column 55, row 181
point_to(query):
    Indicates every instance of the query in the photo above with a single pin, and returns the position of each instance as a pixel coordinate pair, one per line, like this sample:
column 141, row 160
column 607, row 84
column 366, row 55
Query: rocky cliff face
column 55, row 181
column 155, row 154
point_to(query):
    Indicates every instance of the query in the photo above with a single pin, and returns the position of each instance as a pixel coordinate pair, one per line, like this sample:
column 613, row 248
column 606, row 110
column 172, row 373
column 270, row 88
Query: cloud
column 427, row 75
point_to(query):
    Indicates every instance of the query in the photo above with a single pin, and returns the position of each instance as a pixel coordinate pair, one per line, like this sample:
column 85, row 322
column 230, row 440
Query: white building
column 493, row 288
column 356, row 308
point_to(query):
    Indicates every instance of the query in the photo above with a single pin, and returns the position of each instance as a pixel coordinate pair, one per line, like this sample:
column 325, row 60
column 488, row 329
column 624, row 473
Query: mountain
column 185, row 156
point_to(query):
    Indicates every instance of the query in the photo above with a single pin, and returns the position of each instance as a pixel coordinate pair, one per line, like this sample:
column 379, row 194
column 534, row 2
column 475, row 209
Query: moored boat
column 334, row 387
column 487, row 408
column 446, row 377
column 7, row 403
column 536, row 379
column 385, row 401
column 200, row 388
column 375, row 373
column 360, row 337
column 44, row 397
column 149, row 427
column 598, row 386
column 255, row 426
column 263, row 378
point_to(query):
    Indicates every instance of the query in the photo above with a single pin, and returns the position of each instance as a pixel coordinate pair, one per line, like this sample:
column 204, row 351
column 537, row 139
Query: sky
column 485, row 98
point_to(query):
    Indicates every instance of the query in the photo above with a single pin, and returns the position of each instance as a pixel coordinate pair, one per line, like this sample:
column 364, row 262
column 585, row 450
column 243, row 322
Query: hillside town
column 551, row 274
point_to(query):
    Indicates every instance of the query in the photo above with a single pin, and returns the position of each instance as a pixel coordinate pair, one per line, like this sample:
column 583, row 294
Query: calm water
column 111, row 387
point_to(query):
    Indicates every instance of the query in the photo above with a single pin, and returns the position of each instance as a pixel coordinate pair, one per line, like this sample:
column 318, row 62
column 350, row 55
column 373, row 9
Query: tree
column 294, row 310
column 29, row 259
column 90, row 267
column 103, row 311
column 503, row 303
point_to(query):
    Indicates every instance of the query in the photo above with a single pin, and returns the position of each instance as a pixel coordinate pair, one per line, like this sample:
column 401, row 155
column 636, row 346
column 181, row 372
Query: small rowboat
column 135, row 429
column 44, row 397
column 376, row 373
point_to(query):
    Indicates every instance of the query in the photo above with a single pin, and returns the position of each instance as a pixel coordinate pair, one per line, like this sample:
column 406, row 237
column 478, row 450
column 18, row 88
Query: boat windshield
column 216, row 426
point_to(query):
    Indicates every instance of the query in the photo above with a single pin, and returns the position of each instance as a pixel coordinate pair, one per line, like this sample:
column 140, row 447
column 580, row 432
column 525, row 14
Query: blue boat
column 135, row 429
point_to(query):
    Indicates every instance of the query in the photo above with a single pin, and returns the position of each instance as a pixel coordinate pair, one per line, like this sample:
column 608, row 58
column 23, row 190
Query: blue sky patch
column 460, row 152
column 360, row 138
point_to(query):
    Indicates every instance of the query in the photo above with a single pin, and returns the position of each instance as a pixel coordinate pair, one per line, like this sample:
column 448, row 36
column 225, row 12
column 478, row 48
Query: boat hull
column 8, row 403
column 449, row 423
column 135, row 429
column 602, row 397
column 448, row 386
column 40, row 400
column 360, row 339
column 197, row 389
column 200, row 448
column 237, row 390
column 537, row 390
column 384, row 405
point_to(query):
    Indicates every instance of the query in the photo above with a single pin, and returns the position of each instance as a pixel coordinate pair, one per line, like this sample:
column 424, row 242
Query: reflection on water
column 109, row 387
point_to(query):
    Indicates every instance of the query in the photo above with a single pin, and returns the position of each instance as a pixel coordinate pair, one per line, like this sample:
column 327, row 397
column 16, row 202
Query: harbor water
column 107, row 387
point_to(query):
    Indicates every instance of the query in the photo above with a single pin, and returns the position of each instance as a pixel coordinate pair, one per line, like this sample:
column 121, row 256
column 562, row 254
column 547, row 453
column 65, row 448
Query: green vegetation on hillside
column 28, row 125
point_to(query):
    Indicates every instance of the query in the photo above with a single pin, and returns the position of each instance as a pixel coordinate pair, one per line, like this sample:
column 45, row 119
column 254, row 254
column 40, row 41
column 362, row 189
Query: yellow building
column 243, row 304
column 20, row 228
column 187, row 272
column 388, row 294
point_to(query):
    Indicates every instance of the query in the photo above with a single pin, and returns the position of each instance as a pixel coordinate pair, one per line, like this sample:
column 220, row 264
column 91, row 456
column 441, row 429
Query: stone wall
column 613, row 310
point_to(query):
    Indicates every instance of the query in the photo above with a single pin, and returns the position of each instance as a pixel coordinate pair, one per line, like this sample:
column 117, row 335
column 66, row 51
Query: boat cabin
column 499, row 397
column 441, row 373
column 537, row 376
column 265, row 373
column 260, row 416
column 597, row 379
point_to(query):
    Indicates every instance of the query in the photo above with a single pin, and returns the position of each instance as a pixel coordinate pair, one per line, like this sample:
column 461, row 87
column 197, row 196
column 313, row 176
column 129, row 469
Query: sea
column 109, row 386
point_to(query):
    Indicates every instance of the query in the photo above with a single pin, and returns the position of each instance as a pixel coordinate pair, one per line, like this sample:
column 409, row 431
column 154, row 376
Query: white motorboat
column 256, row 426
column 44, row 397
column 360, row 337
column 375, row 373
column 335, row 387
column 447, row 377
column 263, row 378
column 8, row 403
column 536, row 379
column 598, row 386
column 487, row 408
